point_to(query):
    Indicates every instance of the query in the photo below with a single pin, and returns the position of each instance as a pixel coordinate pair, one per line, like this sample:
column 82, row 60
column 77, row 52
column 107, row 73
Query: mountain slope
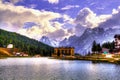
column 23, row 43
column 83, row 43
column 49, row 42
column 45, row 40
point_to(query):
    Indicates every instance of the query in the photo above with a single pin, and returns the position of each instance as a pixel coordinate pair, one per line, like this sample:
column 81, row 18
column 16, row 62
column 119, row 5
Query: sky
column 56, row 19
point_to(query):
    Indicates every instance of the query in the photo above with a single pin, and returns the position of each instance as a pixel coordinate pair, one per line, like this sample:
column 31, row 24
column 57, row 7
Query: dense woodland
column 24, row 44
column 97, row 48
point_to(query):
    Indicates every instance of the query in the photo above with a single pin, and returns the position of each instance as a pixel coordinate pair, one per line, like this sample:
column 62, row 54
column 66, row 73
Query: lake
column 52, row 69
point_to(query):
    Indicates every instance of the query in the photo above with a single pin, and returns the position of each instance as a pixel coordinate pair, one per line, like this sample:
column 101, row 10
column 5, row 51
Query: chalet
column 105, row 50
column 20, row 54
column 117, row 42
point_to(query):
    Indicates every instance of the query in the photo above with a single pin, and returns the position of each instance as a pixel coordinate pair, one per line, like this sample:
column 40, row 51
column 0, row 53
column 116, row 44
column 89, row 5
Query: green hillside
column 24, row 44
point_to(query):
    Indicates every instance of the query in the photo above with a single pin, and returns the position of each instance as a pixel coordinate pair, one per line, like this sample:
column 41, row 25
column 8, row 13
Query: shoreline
column 94, row 60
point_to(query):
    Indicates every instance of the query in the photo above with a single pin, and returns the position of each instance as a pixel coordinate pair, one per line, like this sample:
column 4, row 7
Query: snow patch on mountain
column 83, row 43
column 46, row 40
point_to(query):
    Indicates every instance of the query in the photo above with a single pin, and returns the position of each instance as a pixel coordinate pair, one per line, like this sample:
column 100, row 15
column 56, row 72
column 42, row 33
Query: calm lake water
column 51, row 69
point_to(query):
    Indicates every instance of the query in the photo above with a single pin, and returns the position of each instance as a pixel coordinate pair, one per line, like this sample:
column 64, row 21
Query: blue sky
column 98, row 6
column 56, row 19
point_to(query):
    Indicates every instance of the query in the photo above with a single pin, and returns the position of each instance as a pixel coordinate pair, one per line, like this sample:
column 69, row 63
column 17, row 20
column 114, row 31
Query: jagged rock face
column 47, row 41
column 83, row 43
column 84, row 35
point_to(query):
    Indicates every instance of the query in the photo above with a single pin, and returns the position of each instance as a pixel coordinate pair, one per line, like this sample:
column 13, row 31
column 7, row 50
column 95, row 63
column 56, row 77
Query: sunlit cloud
column 70, row 7
column 13, row 18
column 53, row 1
column 89, row 19
column 116, row 11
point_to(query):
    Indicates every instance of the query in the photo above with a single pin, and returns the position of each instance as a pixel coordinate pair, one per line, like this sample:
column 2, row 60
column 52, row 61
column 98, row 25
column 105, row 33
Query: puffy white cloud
column 19, row 15
column 113, row 22
column 115, row 11
column 34, row 32
column 53, row 1
column 70, row 7
column 68, row 19
column 57, row 25
column 13, row 18
column 89, row 19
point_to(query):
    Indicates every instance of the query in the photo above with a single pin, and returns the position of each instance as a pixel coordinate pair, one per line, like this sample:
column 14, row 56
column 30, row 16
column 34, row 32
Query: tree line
column 97, row 48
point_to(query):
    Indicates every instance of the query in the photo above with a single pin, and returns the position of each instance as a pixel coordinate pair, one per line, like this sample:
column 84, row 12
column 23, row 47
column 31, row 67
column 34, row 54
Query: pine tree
column 99, row 48
column 94, row 47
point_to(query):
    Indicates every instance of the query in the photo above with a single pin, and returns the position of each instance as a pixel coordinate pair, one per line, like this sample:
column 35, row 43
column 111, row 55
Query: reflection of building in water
column 63, row 51
column 117, row 42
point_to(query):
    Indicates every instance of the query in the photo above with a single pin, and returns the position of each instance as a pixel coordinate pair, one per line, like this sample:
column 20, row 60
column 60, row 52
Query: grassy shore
column 94, row 59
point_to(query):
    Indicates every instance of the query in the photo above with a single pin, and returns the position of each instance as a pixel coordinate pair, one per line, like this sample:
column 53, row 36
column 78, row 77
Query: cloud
column 70, row 7
column 60, row 34
column 57, row 34
column 12, row 1
column 14, row 18
column 89, row 19
column 113, row 22
column 116, row 11
column 86, row 18
column 15, row 1
column 53, row 1
column 68, row 21
column 19, row 15
column 79, row 30
column 33, row 32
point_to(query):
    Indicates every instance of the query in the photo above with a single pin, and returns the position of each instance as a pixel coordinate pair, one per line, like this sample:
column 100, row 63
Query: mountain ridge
column 83, row 43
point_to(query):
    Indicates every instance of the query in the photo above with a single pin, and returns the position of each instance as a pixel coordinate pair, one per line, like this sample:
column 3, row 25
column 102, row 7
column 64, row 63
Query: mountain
column 83, row 43
column 24, row 44
column 45, row 40
column 49, row 42
column 84, row 35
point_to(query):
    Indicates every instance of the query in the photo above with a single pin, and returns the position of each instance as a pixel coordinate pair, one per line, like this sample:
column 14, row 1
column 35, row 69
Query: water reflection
column 50, row 69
